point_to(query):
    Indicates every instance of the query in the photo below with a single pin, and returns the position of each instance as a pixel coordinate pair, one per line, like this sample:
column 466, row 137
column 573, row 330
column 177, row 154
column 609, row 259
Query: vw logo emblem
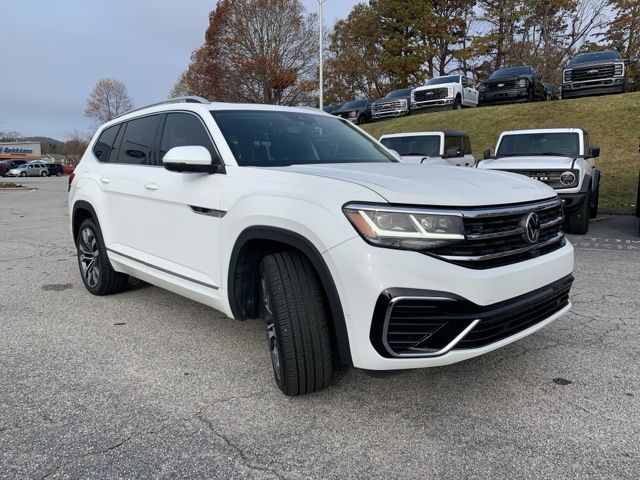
column 531, row 227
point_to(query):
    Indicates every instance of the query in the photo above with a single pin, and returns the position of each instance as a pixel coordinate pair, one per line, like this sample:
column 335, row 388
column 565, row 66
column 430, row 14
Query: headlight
column 449, row 91
column 522, row 83
column 567, row 178
column 405, row 228
column 618, row 69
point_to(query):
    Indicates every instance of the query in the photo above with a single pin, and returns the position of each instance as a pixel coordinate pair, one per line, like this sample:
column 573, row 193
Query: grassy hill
column 613, row 121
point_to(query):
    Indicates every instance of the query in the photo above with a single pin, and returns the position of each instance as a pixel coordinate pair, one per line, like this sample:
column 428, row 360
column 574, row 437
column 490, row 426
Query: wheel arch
column 81, row 211
column 242, row 280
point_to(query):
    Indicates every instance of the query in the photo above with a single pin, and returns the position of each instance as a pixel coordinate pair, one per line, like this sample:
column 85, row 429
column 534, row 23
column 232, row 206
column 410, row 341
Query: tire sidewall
column 102, row 255
column 278, row 372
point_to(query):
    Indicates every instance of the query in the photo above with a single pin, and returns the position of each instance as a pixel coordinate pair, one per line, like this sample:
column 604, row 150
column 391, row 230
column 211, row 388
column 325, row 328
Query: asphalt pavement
column 147, row 384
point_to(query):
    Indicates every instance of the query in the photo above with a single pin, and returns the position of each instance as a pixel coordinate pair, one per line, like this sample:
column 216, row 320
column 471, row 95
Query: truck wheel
column 595, row 200
column 531, row 97
column 95, row 268
column 578, row 222
column 457, row 104
column 297, row 321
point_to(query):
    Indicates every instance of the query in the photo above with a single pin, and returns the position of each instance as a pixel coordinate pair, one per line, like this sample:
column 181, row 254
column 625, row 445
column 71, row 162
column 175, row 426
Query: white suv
column 302, row 219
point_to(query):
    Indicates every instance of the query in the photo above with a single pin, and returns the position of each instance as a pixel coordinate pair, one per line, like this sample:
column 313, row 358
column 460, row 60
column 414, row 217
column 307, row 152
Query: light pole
column 320, row 4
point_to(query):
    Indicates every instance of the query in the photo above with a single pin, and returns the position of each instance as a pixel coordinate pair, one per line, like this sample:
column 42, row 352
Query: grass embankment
column 613, row 121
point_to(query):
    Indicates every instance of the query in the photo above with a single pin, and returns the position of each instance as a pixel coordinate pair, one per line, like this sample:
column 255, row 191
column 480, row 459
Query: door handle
column 104, row 180
column 151, row 186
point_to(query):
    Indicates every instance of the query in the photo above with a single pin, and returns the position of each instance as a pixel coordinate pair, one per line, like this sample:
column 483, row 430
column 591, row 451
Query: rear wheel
column 297, row 322
column 23, row 174
column 578, row 222
column 98, row 275
column 43, row 174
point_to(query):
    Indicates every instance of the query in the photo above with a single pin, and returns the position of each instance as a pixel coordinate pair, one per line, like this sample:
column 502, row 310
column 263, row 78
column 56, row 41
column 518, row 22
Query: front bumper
column 432, row 103
column 363, row 272
column 389, row 113
column 572, row 201
column 504, row 96
column 593, row 87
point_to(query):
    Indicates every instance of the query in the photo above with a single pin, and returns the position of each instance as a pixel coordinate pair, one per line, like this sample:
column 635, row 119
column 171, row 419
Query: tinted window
column 355, row 104
column 452, row 141
column 418, row 145
column 595, row 57
column 184, row 129
column 405, row 92
column 510, row 72
column 103, row 146
column 278, row 138
column 137, row 142
column 566, row 144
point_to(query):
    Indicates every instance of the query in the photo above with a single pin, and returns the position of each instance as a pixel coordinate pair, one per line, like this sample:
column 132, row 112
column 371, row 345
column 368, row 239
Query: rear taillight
column 71, row 176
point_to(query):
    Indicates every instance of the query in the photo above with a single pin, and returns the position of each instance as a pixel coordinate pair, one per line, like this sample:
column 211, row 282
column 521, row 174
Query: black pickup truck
column 594, row 73
column 511, row 85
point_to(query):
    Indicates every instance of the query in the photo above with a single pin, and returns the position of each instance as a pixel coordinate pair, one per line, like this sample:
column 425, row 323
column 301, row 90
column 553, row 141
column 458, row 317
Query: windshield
column 355, row 104
column 441, row 80
column 565, row 144
column 418, row 145
column 263, row 138
column 405, row 92
column 596, row 57
column 510, row 72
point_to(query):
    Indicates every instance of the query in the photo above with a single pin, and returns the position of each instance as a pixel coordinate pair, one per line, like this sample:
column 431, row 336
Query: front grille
column 591, row 73
column 390, row 106
column 431, row 94
column 548, row 177
column 506, row 85
column 406, row 326
column 495, row 237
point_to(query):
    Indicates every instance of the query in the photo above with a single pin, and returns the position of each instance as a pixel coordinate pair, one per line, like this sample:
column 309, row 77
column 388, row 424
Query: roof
column 545, row 130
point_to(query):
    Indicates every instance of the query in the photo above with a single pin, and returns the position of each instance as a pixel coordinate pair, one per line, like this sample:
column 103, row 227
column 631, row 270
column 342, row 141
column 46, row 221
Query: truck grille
column 496, row 236
column 431, row 94
column 389, row 106
column 548, row 177
column 506, row 85
column 590, row 73
column 405, row 326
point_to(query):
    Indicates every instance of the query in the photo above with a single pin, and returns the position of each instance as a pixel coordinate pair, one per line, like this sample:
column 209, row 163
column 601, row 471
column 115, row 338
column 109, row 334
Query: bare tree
column 10, row 136
column 108, row 99
column 74, row 147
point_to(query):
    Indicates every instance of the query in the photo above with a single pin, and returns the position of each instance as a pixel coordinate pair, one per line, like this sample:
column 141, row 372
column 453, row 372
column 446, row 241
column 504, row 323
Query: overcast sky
column 53, row 52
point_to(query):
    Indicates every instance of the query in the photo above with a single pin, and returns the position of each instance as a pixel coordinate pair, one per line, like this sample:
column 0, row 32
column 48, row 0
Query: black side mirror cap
column 187, row 168
column 486, row 154
column 594, row 152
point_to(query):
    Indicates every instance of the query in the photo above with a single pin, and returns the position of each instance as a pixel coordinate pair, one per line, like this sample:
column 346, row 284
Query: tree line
column 265, row 51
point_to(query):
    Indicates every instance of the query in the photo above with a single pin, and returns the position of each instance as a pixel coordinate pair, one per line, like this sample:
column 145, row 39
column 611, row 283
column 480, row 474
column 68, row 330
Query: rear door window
column 137, row 141
column 102, row 148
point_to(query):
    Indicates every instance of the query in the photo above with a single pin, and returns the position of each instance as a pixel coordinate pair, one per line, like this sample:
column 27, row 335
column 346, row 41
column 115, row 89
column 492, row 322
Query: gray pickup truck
column 594, row 73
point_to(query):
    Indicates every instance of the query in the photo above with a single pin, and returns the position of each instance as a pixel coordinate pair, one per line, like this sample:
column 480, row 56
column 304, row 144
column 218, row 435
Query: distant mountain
column 51, row 141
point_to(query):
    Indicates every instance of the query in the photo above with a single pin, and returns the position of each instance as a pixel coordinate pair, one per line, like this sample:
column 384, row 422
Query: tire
column 58, row 174
column 578, row 221
column 593, row 206
column 96, row 271
column 531, row 97
column 457, row 104
column 44, row 174
column 297, row 321
column 23, row 174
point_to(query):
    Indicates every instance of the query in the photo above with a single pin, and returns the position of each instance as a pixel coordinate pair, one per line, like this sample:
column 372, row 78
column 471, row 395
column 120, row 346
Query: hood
column 424, row 160
column 532, row 162
column 592, row 64
column 433, row 185
column 506, row 79
column 431, row 87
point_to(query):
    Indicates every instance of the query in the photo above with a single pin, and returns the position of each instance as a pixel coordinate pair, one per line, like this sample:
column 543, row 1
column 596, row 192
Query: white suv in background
column 303, row 220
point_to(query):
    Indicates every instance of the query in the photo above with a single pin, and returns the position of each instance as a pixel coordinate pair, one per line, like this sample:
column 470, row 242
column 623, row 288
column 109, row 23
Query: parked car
column 511, row 85
column 31, row 169
column 433, row 148
column 295, row 217
column 552, row 94
column 9, row 164
column 357, row 111
column 55, row 169
column 331, row 108
column 396, row 103
column 454, row 91
column 68, row 169
column 563, row 158
column 594, row 73
column 3, row 170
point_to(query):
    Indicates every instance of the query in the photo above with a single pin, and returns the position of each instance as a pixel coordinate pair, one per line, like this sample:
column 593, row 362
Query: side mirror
column 594, row 152
column 396, row 155
column 190, row 159
column 486, row 154
column 452, row 152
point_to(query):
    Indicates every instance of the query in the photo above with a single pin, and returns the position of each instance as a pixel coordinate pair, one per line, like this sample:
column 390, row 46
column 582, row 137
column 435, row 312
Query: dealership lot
column 149, row 384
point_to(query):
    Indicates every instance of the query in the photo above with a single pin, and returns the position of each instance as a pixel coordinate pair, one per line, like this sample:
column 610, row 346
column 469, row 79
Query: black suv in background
column 511, row 85
column 356, row 111
column 593, row 73
column 55, row 169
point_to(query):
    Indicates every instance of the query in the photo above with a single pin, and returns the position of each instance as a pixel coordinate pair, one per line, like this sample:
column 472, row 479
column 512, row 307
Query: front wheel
column 578, row 222
column 457, row 104
column 98, row 275
column 297, row 321
column 23, row 174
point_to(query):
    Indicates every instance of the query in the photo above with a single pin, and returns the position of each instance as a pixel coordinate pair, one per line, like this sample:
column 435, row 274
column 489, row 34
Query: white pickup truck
column 453, row 91
column 563, row 158
column 444, row 147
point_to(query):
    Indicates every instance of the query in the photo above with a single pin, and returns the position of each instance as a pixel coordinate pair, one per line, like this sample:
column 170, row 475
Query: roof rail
column 189, row 99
